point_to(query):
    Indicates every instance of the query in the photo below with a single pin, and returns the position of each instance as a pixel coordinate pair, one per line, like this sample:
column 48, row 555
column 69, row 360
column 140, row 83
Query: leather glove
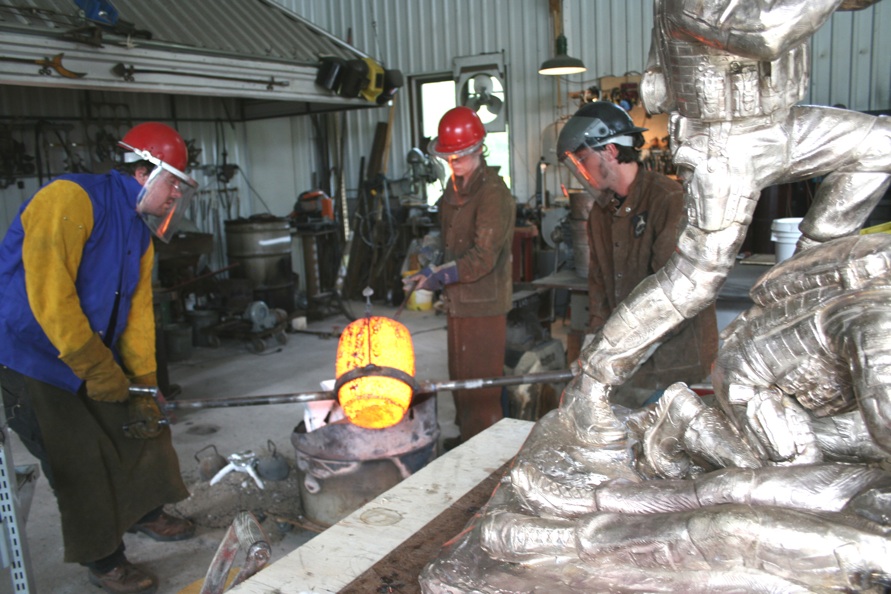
column 94, row 363
column 148, row 379
column 436, row 277
column 409, row 283
column 145, row 417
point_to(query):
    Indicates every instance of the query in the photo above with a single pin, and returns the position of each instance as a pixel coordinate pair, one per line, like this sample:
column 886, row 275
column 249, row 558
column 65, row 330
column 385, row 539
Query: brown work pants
column 476, row 350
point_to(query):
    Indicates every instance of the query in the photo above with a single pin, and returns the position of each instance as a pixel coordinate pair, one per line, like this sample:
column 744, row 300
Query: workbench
column 388, row 541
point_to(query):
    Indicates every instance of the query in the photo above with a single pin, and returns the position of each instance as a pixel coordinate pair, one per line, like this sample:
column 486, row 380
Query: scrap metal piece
column 245, row 533
column 240, row 462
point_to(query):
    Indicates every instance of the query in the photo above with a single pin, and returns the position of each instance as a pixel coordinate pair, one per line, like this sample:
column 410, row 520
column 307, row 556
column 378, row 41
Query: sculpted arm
column 755, row 29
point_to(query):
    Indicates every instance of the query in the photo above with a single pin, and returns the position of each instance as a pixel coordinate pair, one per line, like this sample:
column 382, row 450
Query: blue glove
column 436, row 277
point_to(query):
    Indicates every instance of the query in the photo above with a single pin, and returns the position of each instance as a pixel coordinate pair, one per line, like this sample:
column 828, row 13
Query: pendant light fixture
column 561, row 64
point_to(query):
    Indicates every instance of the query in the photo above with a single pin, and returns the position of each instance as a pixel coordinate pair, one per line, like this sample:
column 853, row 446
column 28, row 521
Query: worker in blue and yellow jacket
column 76, row 331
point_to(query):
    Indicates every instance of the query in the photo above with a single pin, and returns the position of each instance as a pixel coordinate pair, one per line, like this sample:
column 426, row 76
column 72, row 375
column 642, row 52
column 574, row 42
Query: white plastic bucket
column 784, row 233
column 421, row 300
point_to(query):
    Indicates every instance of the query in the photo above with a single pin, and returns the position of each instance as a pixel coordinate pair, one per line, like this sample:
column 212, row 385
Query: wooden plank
column 334, row 558
column 400, row 569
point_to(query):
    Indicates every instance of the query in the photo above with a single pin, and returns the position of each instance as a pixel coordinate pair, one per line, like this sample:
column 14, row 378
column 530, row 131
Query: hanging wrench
column 46, row 65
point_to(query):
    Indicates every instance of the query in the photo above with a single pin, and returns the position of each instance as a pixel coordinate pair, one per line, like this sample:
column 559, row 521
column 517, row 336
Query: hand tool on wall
column 47, row 65
column 127, row 73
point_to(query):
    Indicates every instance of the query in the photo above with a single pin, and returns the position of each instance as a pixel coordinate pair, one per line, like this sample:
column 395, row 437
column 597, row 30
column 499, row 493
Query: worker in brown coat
column 477, row 214
column 632, row 231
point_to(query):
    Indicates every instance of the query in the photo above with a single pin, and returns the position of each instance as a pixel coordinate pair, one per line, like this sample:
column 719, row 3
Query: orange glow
column 579, row 166
column 375, row 401
column 162, row 228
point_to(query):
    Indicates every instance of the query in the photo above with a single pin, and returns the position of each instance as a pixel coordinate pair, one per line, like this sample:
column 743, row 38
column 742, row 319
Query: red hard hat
column 160, row 140
column 460, row 133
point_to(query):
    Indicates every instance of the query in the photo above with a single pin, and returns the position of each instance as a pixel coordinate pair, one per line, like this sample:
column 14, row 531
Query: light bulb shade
column 375, row 370
column 561, row 64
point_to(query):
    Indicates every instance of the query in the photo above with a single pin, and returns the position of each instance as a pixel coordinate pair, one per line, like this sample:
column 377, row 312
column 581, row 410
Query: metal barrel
column 262, row 250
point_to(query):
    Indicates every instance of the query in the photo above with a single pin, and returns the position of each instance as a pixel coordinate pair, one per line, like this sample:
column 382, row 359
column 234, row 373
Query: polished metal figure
column 817, row 344
column 782, row 486
column 731, row 75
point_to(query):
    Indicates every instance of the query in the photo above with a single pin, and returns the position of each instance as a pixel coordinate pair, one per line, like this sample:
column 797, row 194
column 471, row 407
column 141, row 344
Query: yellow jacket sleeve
column 137, row 342
column 57, row 224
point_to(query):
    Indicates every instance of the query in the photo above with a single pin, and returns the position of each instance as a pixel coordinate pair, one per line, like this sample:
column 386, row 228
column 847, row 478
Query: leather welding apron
column 103, row 482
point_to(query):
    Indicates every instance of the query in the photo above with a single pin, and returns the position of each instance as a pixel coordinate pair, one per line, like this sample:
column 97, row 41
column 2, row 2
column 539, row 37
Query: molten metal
column 375, row 371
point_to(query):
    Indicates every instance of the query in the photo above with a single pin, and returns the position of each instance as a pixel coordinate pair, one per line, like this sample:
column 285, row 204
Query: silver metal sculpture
column 821, row 331
column 783, row 486
column 731, row 74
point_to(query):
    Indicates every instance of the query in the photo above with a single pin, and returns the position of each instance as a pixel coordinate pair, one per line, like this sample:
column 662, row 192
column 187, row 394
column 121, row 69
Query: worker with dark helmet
column 632, row 230
column 477, row 214
column 77, row 331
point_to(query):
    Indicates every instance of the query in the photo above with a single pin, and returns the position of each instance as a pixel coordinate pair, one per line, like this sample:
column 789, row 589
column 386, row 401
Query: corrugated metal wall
column 851, row 61
column 851, row 55
column 33, row 116
column 423, row 37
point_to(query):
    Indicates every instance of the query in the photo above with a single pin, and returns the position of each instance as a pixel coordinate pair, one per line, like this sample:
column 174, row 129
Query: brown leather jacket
column 631, row 242
column 477, row 231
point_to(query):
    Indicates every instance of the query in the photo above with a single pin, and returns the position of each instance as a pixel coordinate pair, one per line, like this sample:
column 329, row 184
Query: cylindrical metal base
column 343, row 466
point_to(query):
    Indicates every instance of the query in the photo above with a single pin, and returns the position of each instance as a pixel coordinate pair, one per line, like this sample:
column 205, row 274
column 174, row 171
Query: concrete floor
column 230, row 370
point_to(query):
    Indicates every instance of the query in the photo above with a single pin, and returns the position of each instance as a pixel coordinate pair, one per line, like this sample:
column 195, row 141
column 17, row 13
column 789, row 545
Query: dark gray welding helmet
column 592, row 127
column 595, row 125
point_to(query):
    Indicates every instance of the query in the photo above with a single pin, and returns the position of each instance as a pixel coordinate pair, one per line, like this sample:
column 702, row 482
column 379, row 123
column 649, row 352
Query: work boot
column 165, row 528
column 125, row 578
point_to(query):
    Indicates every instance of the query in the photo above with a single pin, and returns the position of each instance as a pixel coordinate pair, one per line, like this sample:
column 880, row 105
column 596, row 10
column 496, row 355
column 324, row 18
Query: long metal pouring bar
column 427, row 387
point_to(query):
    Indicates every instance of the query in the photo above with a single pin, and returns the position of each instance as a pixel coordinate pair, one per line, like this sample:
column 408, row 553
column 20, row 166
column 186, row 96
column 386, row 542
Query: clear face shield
column 582, row 141
column 165, row 197
column 460, row 163
column 585, row 165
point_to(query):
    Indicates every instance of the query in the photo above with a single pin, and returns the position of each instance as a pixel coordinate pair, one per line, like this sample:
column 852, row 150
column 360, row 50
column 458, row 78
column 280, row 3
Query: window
column 432, row 97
